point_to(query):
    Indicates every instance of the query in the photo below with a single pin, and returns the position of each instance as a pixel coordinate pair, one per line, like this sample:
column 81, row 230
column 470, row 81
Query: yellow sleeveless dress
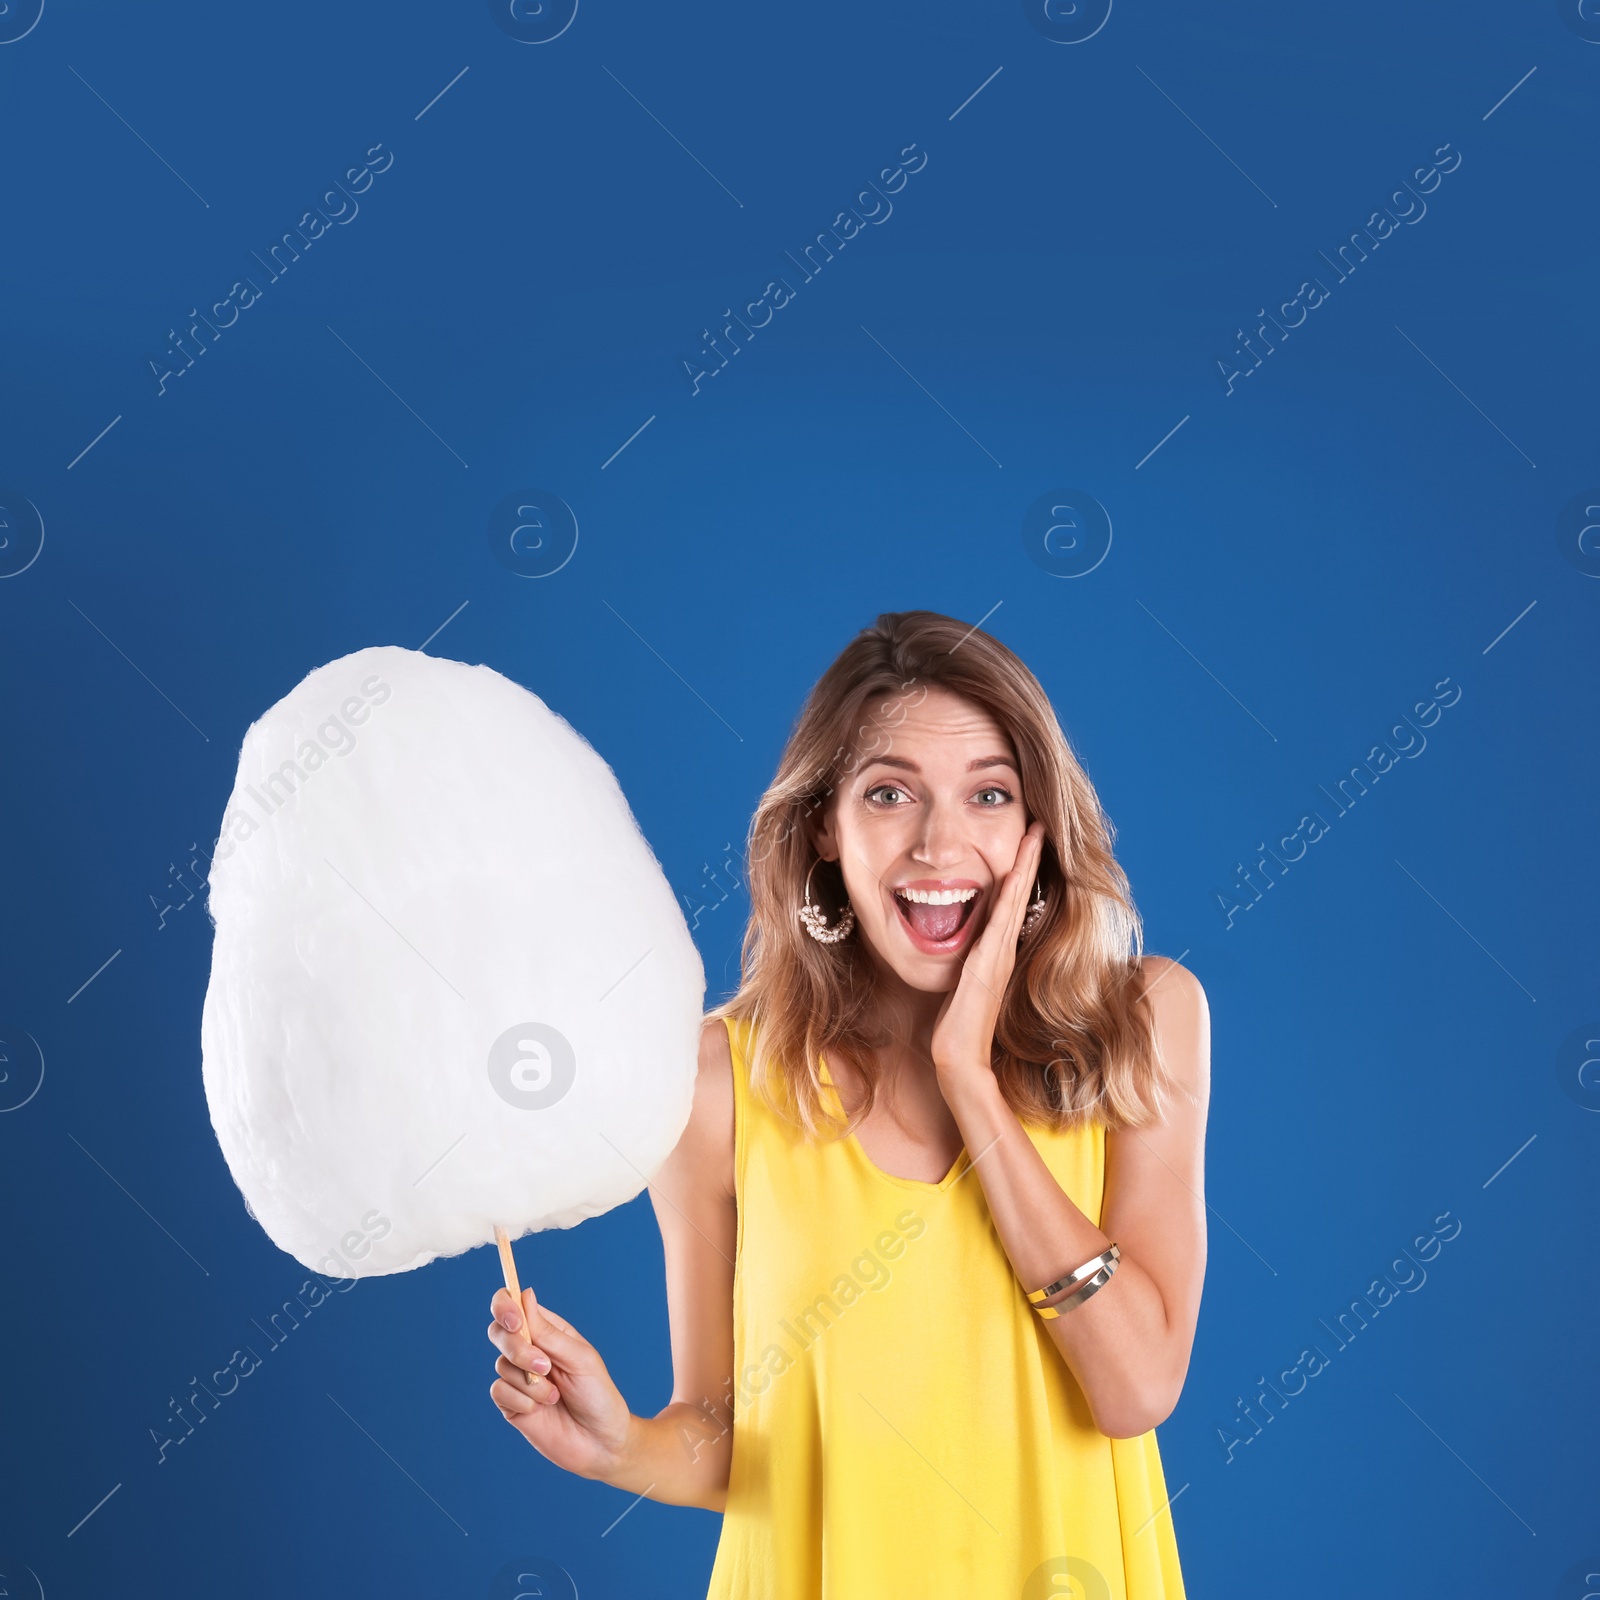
column 903, row 1424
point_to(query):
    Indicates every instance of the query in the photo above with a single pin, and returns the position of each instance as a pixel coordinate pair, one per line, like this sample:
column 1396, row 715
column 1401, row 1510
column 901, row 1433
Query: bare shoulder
column 706, row 1147
column 1182, row 1020
column 714, row 1082
column 1163, row 973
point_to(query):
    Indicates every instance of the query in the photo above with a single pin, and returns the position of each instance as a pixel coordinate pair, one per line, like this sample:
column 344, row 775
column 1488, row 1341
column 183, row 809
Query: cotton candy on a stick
column 451, row 988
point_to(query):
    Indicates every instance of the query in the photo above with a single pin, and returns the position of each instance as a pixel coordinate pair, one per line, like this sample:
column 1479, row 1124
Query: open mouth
column 937, row 919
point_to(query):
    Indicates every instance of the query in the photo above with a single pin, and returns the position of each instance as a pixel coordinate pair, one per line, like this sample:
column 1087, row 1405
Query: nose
column 940, row 842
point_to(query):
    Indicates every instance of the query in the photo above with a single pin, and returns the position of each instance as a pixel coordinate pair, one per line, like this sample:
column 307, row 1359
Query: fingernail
column 510, row 1320
column 541, row 1364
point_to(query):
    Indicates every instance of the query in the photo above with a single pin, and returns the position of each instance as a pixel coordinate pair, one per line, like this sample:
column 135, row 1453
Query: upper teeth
column 937, row 897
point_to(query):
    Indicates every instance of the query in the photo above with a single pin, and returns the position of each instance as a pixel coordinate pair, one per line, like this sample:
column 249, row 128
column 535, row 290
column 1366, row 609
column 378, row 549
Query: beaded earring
column 817, row 925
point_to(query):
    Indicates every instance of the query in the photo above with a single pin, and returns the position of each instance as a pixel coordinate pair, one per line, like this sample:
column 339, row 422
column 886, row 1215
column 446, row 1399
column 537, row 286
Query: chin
column 929, row 974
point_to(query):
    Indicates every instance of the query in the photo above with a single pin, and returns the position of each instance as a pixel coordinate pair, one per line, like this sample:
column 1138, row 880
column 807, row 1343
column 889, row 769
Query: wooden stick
column 508, row 1266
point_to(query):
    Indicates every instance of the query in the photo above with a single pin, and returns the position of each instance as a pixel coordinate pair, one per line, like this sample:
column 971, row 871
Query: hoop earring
column 1035, row 911
column 817, row 925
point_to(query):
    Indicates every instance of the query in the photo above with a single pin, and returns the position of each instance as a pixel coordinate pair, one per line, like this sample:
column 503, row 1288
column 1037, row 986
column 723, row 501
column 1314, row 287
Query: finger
column 511, row 1401
column 503, row 1308
column 1011, row 903
column 1024, row 874
column 1027, row 874
column 540, row 1390
column 520, row 1346
column 1017, row 882
column 1029, row 852
column 536, row 1322
column 556, row 1335
column 518, row 1349
column 550, row 1317
column 529, row 1383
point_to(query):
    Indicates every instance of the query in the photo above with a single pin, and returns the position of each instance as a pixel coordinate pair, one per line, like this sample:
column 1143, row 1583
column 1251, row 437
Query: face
column 924, row 832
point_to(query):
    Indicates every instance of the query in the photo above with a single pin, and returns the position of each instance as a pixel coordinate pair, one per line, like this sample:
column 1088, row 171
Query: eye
column 876, row 793
column 993, row 795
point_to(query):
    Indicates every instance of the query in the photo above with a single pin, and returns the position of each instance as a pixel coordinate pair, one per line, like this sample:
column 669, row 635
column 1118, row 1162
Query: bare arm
column 690, row 1443
column 552, row 1385
column 1129, row 1344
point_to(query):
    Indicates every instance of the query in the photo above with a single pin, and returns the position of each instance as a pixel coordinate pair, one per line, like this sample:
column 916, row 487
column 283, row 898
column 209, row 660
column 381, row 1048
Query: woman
column 935, row 1233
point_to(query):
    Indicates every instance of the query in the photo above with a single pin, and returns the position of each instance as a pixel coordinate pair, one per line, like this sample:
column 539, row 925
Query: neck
column 906, row 1019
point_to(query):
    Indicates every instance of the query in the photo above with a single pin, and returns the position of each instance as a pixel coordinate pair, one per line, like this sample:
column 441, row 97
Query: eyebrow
column 911, row 766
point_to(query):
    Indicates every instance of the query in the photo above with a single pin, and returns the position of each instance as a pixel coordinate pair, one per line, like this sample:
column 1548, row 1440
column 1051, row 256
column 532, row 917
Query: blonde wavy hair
column 1075, row 1040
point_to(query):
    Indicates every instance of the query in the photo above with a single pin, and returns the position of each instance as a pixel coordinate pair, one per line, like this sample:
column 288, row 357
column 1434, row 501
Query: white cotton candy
column 450, row 985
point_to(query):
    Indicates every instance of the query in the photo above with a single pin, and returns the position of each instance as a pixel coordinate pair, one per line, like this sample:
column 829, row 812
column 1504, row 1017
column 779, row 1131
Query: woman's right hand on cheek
column 569, row 1410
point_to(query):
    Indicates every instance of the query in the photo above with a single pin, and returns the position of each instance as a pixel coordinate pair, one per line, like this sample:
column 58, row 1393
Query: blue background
column 1399, row 1017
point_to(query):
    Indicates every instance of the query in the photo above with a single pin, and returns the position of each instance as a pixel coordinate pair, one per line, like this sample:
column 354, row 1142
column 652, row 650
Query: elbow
column 711, row 1495
column 1127, row 1424
column 1135, row 1414
column 1130, row 1398
column 1131, row 1423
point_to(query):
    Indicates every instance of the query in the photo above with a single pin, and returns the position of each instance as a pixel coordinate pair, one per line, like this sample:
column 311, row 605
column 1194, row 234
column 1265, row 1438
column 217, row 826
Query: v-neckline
column 867, row 1161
